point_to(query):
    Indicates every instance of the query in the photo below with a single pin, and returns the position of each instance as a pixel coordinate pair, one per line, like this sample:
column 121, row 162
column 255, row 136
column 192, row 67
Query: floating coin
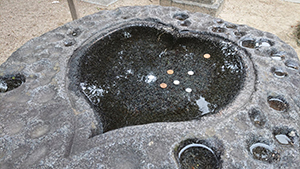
column 170, row 71
column 176, row 82
column 206, row 55
column 190, row 72
column 163, row 85
column 189, row 90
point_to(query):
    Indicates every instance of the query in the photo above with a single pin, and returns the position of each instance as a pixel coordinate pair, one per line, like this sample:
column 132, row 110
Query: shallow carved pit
column 10, row 82
column 196, row 154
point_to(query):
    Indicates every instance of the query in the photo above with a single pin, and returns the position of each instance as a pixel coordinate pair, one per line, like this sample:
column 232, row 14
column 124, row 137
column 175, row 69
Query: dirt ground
column 22, row 20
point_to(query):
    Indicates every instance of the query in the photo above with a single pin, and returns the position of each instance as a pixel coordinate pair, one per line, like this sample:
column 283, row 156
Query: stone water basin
column 150, row 87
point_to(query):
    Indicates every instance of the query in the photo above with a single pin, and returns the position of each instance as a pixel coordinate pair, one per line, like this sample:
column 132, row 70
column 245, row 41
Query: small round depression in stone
column 10, row 82
column 257, row 117
column 263, row 152
column 120, row 75
column 286, row 136
column 278, row 103
column 197, row 154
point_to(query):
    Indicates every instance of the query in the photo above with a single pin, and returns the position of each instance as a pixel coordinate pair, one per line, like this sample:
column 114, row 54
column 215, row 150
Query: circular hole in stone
column 278, row 103
column 263, row 152
column 230, row 25
column 252, row 43
column 197, row 154
column 218, row 29
column 292, row 64
column 278, row 55
column 185, row 23
column 260, row 149
column 10, row 82
column 277, row 72
column 248, row 43
column 239, row 34
column 113, row 74
column 257, row 117
column 181, row 16
column 286, row 135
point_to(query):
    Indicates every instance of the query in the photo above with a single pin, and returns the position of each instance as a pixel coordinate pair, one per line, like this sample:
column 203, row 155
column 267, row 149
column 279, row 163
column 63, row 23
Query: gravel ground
column 23, row 20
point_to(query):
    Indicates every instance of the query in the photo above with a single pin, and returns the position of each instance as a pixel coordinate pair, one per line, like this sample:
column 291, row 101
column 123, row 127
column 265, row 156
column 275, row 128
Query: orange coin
column 206, row 55
column 163, row 85
column 170, row 71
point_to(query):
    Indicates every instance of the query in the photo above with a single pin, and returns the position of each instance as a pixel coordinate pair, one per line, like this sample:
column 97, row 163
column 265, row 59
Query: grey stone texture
column 44, row 124
column 211, row 7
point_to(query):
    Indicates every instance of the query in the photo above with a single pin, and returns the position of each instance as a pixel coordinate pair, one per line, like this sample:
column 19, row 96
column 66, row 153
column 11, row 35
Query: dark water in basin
column 122, row 76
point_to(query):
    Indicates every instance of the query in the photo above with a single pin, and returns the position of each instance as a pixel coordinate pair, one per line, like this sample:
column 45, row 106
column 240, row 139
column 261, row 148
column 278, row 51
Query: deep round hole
column 218, row 29
column 292, row 64
column 261, row 149
column 278, row 103
column 248, row 43
column 278, row 55
column 197, row 154
column 181, row 16
column 278, row 72
column 231, row 26
column 185, row 23
column 239, row 34
column 264, row 152
column 124, row 76
column 10, row 82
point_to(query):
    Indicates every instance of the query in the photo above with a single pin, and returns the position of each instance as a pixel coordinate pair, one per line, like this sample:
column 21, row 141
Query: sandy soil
column 22, row 20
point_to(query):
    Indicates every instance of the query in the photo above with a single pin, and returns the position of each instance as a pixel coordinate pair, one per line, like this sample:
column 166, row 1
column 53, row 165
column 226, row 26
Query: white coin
column 176, row 82
column 190, row 72
column 189, row 90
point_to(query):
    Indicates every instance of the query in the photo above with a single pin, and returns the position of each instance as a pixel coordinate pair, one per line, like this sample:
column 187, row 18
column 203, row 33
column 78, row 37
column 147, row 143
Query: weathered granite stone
column 211, row 7
column 47, row 122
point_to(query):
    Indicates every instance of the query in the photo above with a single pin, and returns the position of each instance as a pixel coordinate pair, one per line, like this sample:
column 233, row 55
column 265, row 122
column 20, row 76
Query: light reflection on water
column 203, row 105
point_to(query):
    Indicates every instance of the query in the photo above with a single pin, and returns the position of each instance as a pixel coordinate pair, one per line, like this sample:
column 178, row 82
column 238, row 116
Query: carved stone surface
column 47, row 123
column 211, row 7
